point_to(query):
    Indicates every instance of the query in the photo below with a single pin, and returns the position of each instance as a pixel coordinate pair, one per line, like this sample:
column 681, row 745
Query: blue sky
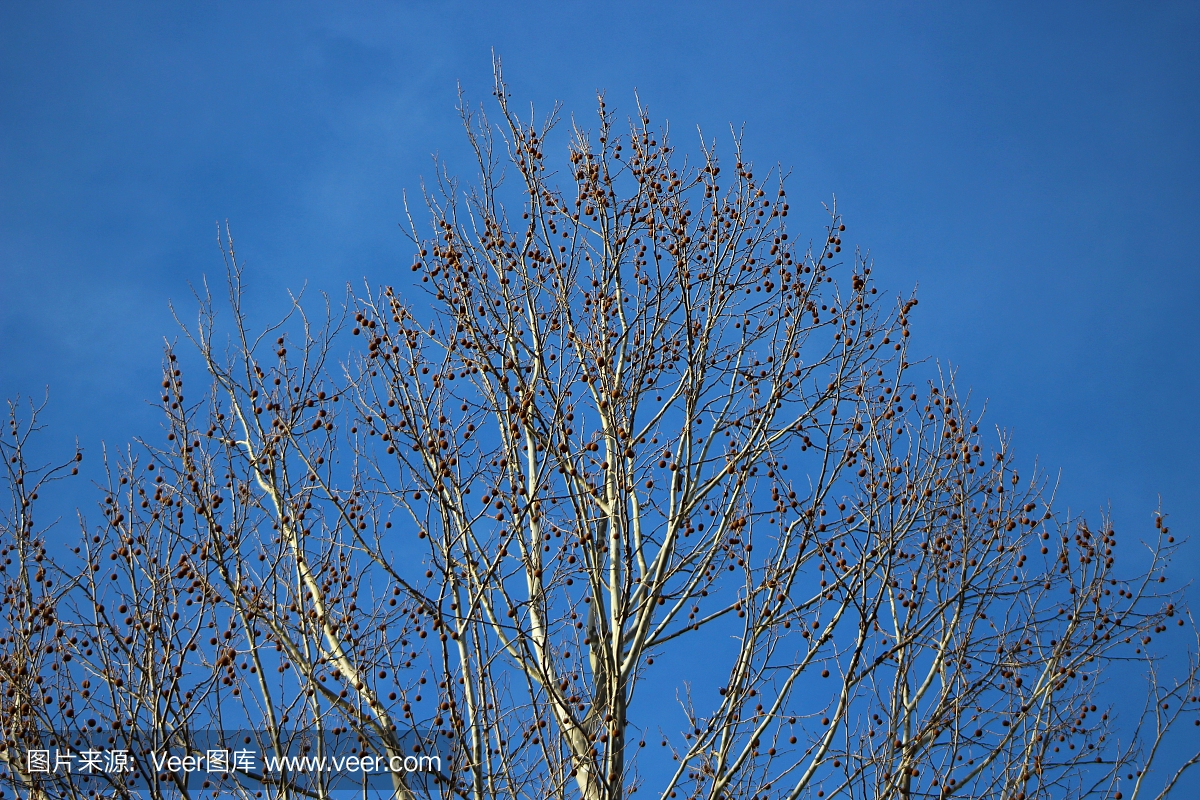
column 1033, row 167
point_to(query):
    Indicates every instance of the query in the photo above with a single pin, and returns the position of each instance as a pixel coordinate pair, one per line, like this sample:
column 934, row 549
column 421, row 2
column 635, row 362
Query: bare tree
column 645, row 379
column 31, row 657
column 611, row 424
